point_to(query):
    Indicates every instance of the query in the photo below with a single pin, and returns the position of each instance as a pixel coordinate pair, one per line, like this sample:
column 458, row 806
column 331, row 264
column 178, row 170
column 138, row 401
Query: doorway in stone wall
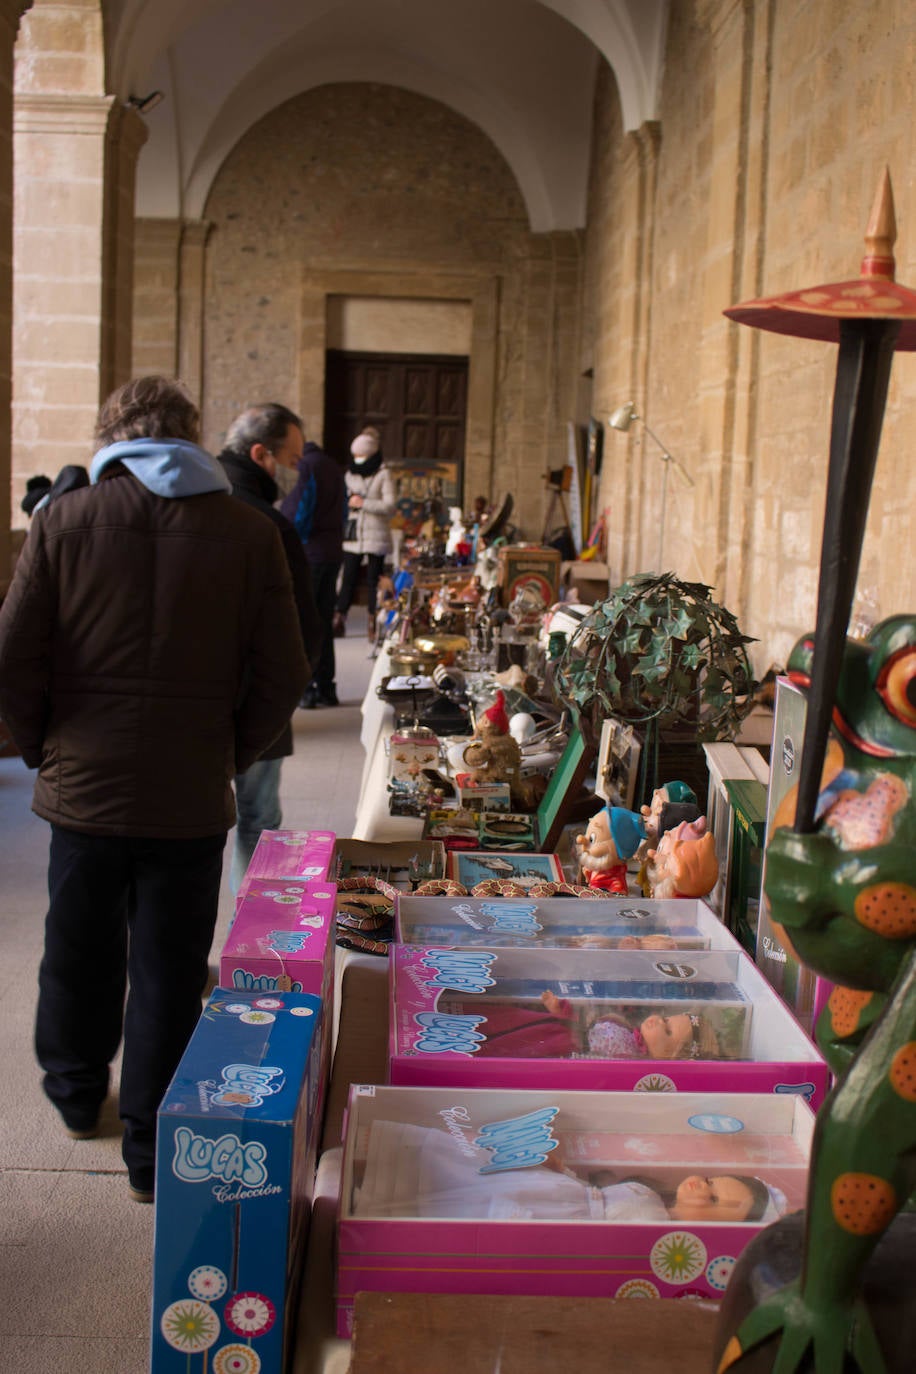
column 417, row 402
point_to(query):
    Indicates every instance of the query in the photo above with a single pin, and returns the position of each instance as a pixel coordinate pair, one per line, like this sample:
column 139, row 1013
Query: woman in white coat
column 370, row 506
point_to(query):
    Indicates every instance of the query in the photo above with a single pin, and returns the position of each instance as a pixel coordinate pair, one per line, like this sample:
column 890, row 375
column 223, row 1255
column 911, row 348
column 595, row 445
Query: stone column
column 125, row 136
column 631, row 501
column 191, row 278
column 735, row 171
column 11, row 11
column 155, row 308
column 75, row 158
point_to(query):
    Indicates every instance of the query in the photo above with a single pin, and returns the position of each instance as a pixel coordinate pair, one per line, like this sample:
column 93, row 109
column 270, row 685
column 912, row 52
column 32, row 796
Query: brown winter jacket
column 149, row 650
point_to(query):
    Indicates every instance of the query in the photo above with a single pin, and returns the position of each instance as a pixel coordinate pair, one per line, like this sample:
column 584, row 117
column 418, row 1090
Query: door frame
column 482, row 293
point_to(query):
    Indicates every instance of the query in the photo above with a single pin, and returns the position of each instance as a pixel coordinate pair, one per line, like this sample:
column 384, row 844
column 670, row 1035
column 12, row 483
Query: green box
column 748, row 800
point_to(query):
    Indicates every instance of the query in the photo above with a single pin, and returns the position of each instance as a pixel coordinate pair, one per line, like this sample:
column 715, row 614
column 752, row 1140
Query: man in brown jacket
column 149, row 651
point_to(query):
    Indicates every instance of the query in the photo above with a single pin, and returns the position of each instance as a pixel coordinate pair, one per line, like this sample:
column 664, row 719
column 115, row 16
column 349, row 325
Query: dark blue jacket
column 316, row 505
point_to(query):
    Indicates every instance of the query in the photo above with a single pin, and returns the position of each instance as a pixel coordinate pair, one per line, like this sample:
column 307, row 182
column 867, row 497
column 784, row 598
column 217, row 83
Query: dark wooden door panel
column 418, row 404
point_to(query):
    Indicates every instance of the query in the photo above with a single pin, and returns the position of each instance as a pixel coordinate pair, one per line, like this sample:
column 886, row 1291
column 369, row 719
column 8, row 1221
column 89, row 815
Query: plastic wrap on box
column 687, row 1020
column 563, row 1194
column 561, row 922
column 235, row 1164
column 292, row 854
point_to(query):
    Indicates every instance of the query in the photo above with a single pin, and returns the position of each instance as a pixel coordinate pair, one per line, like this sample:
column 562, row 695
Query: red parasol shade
column 816, row 311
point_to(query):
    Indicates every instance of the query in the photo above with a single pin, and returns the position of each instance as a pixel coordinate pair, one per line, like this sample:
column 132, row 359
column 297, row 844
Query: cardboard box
column 557, row 922
column 446, row 1192
column 235, row 1164
column 292, row 854
column 523, row 565
column 468, row 1017
column 282, row 938
column 401, row 863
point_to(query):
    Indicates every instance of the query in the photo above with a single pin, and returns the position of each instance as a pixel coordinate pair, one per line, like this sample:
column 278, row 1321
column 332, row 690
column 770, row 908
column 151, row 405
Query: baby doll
column 613, row 836
column 684, row 864
column 684, row 1035
column 555, row 1030
column 425, row 1172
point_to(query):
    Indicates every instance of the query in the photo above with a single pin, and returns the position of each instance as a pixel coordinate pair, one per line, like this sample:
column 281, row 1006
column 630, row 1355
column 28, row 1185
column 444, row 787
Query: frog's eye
column 896, row 685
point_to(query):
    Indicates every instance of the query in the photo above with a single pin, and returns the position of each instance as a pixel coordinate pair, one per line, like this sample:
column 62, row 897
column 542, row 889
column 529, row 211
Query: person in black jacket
column 316, row 507
column 259, row 441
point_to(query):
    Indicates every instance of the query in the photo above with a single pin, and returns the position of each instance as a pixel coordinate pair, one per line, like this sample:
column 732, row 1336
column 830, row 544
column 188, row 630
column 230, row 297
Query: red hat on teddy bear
column 496, row 717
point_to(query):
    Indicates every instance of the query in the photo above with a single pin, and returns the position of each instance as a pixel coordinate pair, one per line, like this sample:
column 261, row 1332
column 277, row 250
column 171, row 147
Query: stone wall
column 368, row 190
column 775, row 123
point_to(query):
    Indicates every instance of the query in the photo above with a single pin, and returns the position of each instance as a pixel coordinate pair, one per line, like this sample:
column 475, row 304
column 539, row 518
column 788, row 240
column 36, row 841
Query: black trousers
column 324, row 590
column 375, row 562
column 123, row 912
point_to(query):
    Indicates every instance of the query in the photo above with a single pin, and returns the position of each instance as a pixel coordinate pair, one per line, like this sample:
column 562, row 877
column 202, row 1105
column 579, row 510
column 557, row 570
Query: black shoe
column 309, row 699
column 328, row 698
column 81, row 1126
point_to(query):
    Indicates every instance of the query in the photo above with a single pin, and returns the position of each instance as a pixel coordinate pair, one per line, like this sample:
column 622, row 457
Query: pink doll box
column 559, row 922
column 468, row 1017
column 418, row 1215
column 291, row 854
column 282, row 938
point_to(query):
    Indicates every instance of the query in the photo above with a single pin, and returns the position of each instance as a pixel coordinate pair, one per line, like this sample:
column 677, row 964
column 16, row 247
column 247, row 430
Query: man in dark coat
column 260, row 440
column 149, row 651
column 316, row 507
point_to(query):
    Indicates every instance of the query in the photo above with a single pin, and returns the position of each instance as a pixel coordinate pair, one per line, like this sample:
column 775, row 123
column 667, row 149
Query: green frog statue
column 844, row 897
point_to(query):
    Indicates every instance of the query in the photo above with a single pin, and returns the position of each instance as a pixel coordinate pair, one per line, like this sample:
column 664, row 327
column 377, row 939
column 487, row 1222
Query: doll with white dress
column 419, row 1171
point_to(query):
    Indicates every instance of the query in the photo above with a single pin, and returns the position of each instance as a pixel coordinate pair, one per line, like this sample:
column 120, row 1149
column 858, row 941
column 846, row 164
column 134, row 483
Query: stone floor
column 75, row 1252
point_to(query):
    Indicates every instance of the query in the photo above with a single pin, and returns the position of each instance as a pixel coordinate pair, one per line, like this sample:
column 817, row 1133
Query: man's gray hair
column 262, row 424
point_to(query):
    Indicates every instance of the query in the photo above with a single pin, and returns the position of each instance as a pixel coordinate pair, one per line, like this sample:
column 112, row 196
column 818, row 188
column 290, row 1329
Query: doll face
column 667, row 1037
column 724, row 1198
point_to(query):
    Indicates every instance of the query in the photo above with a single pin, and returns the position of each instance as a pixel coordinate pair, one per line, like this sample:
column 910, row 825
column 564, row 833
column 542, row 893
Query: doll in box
column 419, row 1171
column 557, row 1030
column 611, row 839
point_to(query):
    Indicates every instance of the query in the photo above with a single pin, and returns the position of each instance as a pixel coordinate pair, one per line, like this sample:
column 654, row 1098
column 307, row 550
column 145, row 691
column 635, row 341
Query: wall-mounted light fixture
column 622, row 419
column 144, row 103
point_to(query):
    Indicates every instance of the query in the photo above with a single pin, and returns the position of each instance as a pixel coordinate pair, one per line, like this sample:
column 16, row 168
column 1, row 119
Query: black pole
column 863, row 371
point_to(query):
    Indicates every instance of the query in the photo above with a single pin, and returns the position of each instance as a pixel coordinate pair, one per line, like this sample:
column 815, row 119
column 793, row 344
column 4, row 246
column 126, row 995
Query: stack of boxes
column 239, row 1127
column 494, row 1160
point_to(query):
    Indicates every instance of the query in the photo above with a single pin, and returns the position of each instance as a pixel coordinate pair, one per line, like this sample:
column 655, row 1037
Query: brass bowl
column 444, row 647
column 406, row 661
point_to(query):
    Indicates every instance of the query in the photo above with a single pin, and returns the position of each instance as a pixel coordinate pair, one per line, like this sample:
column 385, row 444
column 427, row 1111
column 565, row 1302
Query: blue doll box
column 235, row 1162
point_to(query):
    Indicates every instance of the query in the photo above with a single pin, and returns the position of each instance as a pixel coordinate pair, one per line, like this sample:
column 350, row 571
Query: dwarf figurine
column 613, row 836
column 685, row 863
column 672, row 793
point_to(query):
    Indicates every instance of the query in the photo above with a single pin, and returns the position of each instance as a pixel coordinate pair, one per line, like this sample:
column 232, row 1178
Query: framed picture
column 470, row 868
column 565, row 783
column 617, row 769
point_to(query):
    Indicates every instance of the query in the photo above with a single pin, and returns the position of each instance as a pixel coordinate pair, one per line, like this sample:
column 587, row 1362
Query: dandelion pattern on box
column 189, row 1325
column 678, row 1257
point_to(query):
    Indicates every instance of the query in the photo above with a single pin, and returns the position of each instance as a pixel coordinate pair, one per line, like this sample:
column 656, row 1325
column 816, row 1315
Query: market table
column 440, row 1333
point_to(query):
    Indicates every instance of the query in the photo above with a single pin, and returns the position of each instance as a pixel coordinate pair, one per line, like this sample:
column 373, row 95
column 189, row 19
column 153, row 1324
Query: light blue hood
column 166, row 467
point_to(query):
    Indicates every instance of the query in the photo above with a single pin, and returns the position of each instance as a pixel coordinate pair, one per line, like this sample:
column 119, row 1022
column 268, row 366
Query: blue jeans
column 257, row 801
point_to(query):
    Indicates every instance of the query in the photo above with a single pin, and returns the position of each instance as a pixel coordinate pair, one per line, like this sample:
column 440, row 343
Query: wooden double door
column 417, row 402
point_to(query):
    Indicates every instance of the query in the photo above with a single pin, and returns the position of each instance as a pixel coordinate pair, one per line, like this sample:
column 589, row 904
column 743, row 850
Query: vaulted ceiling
column 522, row 71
